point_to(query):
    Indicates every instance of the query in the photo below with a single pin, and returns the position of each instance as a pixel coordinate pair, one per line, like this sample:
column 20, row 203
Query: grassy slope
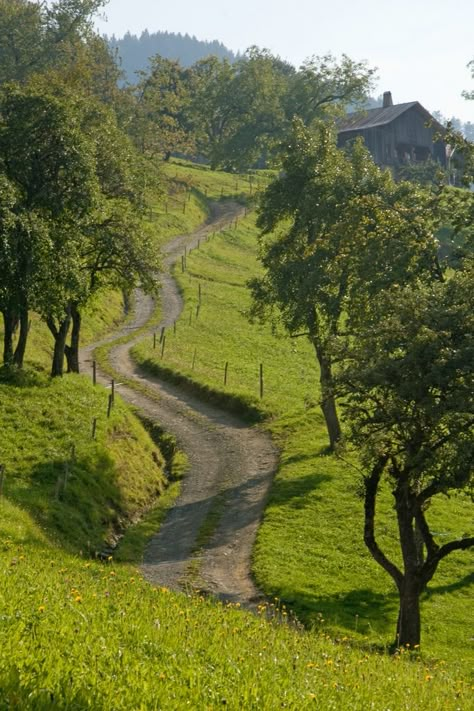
column 309, row 550
column 109, row 479
column 79, row 634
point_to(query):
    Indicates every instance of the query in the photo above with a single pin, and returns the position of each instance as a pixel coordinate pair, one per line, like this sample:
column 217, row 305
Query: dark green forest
column 134, row 52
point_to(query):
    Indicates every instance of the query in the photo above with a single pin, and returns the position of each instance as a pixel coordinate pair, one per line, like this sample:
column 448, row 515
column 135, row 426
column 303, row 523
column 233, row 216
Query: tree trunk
column 72, row 351
column 60, row 335
column 409, row 620
column 328, row 401
column 10, row 323
column 127, row 301
column 19, row 355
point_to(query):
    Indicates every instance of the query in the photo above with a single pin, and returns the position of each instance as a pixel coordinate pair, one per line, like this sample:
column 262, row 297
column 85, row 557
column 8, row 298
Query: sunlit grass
column 80, row 634
column 309, row 550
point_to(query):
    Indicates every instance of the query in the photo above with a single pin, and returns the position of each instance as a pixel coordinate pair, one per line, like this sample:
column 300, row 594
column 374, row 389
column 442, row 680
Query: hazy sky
column 421, row 47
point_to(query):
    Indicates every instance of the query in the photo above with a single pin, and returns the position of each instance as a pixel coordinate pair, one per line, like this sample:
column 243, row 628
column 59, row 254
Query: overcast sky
column 421, row 47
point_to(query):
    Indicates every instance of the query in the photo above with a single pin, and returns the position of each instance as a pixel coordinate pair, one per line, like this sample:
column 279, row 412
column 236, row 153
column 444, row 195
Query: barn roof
column 381, row 116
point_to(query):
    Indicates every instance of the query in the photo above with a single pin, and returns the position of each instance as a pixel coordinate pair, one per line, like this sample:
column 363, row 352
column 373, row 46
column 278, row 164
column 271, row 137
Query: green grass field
column 309, row 550
column 76, row 633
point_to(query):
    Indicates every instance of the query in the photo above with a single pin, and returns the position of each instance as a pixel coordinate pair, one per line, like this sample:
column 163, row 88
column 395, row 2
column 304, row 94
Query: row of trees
column 237, row 114
column 351, row 263
column 72, row 185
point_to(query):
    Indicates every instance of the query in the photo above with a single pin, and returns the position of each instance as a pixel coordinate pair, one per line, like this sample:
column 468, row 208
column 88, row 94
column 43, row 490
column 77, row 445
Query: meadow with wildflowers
column 82, row 633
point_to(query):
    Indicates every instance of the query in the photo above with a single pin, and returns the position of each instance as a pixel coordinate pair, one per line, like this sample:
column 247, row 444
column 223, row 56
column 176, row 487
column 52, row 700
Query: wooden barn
column 397, row 134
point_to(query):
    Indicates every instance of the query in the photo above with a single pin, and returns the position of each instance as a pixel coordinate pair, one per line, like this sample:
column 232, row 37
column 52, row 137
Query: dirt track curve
column 227, row 458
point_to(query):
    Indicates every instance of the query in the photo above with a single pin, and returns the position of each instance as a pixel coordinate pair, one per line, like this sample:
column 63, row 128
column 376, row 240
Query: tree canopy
column 407, row 382
column 339, row 231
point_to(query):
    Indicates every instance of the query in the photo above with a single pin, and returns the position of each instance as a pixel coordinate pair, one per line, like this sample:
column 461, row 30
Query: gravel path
column 227, row 458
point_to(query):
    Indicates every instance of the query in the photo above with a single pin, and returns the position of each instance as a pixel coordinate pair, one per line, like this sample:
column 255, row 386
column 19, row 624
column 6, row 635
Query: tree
column 324, row 87
column 117, row 249
column 214, row 107
column 259, row 86
column 339, row 230
column 408, row 388
column 36, row 37
column 470, row 94
column 161, row 122
column 50, row 170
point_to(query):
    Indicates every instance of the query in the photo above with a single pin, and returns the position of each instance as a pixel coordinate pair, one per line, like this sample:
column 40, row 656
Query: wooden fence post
column 112, row 391
column 199, row 292
column 163, row 346
column 226, row 367
column 182, row 263
column 109, row 405
column 94, row 373
column 198, row 308
column 162, row 334
column 261, row 380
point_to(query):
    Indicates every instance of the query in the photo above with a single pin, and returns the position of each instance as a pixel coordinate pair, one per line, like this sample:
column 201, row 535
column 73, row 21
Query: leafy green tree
column 35, row 37
column 50, row 169
column 161, row 121
column 408, row 388
column 339, row 230
column 21, row 49
column 259, row 87
column 214, row 107
column 324, row 87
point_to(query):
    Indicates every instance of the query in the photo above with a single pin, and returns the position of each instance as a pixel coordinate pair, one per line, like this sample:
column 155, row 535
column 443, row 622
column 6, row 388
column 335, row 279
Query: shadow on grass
column 465, row 582
column 362, row 611
column 297, row 492
column 78, row 502
column 30, row 376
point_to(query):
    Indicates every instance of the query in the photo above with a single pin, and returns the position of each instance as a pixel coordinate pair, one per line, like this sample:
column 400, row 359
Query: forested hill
column 135, row 52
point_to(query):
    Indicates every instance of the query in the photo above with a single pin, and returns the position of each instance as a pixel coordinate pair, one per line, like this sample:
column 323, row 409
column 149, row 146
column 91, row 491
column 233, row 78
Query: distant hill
column 134, row 52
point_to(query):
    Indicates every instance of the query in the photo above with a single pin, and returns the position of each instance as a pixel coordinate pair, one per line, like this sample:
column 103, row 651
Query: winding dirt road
column 228, row 459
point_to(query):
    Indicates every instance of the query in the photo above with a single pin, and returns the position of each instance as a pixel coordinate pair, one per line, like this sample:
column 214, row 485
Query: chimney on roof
column 387, row 99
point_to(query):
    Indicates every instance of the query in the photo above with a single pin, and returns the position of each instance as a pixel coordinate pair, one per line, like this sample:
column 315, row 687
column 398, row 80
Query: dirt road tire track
column 227, row 458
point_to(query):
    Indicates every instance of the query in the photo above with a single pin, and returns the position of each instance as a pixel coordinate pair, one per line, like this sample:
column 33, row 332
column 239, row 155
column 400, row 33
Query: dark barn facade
column 396, row 135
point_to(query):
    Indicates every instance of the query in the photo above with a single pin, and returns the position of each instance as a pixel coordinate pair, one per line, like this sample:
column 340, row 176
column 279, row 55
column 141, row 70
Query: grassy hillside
column 80, row 490
column 309, row 551
column 79, row 634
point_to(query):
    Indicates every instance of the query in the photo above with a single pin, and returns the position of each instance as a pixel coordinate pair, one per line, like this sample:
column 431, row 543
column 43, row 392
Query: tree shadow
column 295, row 493
column 31, row 375
column 451, row 587
column 362, row 611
